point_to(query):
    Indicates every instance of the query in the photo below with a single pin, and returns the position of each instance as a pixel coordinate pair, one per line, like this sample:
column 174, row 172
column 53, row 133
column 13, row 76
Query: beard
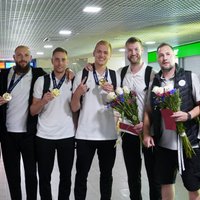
column 134, row 61
column 164, row 69
column 19, row 69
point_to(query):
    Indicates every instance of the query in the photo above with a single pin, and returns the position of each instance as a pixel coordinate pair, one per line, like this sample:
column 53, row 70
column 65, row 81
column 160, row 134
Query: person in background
column 134, row 77
column 168, row 148
column 17, row 126
column 96, row 127
column 55, row 126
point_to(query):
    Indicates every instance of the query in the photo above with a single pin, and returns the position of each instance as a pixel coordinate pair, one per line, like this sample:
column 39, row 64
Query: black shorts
column 167, row 166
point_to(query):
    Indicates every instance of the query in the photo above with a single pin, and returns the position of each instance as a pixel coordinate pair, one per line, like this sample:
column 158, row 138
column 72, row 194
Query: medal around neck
column 102, row 81
column 55, row 92
column 7, row 96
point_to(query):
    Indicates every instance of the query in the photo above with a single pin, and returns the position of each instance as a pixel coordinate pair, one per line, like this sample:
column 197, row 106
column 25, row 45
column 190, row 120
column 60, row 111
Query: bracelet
column 189, row 116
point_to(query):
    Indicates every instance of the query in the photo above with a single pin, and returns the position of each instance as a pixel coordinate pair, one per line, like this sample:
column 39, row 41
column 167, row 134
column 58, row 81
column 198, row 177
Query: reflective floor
column 120, row 187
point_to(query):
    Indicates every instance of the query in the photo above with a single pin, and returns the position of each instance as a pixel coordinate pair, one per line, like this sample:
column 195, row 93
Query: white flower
column 119, row 91
column 155, row 89
column 126, row 90
column 111, row 96
column 158, row 90
column 168, row 88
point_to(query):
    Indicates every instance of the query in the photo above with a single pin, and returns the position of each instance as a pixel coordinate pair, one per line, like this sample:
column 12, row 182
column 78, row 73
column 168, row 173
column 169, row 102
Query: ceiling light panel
column 91, row 9
column 28, row 22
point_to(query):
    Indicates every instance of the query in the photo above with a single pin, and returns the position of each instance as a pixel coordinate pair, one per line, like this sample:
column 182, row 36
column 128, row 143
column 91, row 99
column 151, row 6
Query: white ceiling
column 29, row 22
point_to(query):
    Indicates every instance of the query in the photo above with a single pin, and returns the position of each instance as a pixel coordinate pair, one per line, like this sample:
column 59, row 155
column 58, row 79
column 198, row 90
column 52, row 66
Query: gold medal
column 102, row 81
column 7, row 96
column 55, row 92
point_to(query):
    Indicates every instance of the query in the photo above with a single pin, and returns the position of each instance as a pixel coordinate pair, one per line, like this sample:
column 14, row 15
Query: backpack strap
column 147, row 77
column 46, row 83
column 84, row 74
column 122, row 75
column 3, row 80
column 72, row 82
column 113, row 78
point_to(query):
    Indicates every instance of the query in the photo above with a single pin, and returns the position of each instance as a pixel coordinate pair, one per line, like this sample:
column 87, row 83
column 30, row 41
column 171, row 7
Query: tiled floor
column 120, row 188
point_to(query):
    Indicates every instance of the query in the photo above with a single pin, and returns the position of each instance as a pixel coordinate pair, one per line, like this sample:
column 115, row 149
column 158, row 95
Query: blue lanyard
column 96, row 77
column 13, row 83
column 55, row 85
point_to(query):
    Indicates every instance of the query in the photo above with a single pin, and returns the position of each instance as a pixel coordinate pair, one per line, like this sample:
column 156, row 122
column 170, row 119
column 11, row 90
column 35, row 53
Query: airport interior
column 76, row 26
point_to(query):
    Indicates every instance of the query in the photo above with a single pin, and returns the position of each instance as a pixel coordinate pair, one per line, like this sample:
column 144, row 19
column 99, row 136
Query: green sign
column 182, row 51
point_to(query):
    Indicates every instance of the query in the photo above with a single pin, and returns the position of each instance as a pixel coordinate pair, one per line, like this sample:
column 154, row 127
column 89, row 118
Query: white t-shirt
column 96, row 121
column 17, row 108
column 55, row 121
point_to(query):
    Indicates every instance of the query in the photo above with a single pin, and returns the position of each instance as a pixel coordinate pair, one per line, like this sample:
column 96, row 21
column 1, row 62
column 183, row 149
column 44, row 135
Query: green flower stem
column 189, row 151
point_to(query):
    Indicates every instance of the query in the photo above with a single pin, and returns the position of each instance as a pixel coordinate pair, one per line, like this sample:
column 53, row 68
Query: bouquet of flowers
column 124, row 101
column 169, row 98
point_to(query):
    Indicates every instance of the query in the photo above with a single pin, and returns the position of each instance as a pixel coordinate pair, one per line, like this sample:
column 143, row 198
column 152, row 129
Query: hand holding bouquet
column 124, row 101
column 169, row 98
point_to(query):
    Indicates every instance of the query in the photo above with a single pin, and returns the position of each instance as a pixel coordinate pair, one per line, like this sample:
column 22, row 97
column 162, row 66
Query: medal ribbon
column 55, row 85
column 13, row 83
column 96, row 77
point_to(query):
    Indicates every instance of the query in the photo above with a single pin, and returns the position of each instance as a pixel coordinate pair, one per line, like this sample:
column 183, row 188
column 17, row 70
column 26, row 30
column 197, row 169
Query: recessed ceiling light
column 48, row 46
column 74, row 63
column 91, row 9
column 150, row 42
column 65, row 32
column 40, row 53
column 122, row 50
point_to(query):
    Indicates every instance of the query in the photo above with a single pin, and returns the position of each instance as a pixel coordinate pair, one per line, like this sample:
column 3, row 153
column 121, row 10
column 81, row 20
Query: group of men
column 36, row 121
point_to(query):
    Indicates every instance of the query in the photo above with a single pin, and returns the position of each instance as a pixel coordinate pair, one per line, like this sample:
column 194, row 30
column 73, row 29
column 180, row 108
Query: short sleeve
column 38, row 88
column 195, row 87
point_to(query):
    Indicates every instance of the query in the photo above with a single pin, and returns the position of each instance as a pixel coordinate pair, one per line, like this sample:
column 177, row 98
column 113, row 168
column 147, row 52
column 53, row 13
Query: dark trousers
column 45, row 151
column 154, row 186
column 15, row 146
column 133, row 162
column 85, row 153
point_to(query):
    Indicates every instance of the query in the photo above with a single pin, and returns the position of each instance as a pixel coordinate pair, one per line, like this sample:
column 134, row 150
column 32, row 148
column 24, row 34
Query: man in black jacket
column 170, row 153
column 17, row 126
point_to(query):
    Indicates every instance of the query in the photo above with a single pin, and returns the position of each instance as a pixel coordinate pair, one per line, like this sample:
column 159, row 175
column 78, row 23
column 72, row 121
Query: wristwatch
column 189, row 116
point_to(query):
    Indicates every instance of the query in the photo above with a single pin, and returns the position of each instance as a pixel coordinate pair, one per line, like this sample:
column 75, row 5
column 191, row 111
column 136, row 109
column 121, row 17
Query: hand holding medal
column 7, row 96
column 2, row 101
column 107, row 87
column 56, row 87
column 55, row 92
